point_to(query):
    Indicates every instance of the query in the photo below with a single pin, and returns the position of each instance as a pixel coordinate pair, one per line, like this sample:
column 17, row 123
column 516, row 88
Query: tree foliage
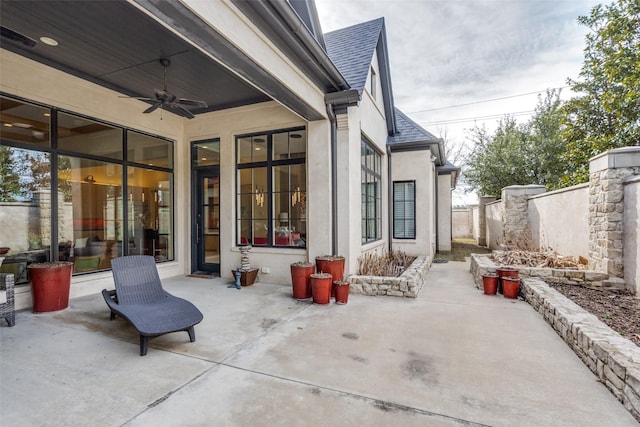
column 607, row 113
column 518, row 154
column 10, row 187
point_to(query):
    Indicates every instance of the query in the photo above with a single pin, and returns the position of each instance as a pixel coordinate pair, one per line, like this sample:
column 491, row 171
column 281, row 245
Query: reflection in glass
column 25, row 210
column 91, row 213
column 149, row 150
column 89, row 137
column 212, row 220
column 150, row 228
column 25, row 123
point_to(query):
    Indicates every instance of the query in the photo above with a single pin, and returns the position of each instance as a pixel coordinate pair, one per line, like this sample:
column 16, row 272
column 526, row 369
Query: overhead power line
column 487, row 100
column 473, row 119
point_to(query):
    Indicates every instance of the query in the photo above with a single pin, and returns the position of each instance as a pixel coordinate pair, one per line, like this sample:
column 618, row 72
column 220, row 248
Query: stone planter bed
column 408, row 284
column 613, row 359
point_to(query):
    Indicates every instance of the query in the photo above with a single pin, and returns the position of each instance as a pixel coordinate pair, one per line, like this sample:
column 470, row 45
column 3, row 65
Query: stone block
column 633, row 378
column 632, row 402
column 618, row 362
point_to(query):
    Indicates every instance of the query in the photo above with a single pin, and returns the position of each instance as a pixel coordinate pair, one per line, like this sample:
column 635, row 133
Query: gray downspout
column 334, row 179
column 437, row 213
column 390, row 199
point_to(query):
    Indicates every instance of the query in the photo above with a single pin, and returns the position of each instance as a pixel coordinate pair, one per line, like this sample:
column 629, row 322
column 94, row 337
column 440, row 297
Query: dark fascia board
column 281, row 23
column 385, row 76
column 434, row 145
column 307, row 11
column 184, row 21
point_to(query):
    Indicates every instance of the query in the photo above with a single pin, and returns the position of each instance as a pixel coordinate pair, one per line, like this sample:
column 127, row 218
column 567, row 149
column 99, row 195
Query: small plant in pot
column 50, row 284
column 332, row 264
column 341, row 291
column 490, row 283
column 321, row 288
column 301, row 272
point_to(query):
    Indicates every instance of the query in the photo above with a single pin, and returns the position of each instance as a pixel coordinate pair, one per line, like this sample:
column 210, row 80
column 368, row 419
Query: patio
column 452, row 356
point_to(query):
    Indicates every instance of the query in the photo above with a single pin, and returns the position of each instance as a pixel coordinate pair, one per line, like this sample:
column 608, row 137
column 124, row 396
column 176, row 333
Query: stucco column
column 515, row 218
column 482, row 219
column 607, row 172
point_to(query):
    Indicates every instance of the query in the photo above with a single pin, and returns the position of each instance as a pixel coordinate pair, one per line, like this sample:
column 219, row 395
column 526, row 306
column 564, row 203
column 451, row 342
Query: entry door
column 207, row 219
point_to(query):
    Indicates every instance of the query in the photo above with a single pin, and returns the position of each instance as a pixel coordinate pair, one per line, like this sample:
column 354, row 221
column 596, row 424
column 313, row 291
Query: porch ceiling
column 116, row 45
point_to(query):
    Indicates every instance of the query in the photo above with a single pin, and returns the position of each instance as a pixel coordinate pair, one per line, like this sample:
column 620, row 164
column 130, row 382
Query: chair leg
column 144, row 345
column 11, row 319
column 192, row 334
column 112, row 316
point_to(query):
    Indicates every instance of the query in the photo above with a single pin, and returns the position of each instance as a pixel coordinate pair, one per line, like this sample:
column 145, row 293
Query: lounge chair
column 140, row 299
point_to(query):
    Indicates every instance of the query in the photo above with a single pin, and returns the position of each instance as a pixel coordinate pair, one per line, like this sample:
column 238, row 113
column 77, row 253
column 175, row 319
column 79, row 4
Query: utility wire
column 487, row 100
column 473, row 119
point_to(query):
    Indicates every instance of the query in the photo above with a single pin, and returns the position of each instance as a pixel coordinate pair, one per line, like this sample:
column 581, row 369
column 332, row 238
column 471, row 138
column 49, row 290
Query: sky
column 457, row 64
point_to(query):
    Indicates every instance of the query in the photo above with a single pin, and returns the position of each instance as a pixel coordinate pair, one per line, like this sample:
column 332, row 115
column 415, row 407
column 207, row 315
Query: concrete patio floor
column 453, row 356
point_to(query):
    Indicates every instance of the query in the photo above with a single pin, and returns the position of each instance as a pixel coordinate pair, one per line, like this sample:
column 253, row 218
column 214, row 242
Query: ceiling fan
column 168, row 101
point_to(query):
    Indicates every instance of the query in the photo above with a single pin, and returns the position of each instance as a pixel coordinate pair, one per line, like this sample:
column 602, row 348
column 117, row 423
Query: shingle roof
column 409, row 131
column 351, row 50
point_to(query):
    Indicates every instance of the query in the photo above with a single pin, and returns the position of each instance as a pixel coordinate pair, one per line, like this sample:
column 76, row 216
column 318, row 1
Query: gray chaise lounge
column 140, row 299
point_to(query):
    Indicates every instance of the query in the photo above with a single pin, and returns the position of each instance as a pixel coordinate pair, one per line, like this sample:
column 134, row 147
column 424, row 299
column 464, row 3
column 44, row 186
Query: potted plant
column 301, row 279
column 50, row 283
column 321, row 288
column 341, row 291
column 510, row 286
column 332, row 264
column 505, row 272
column 490, row 283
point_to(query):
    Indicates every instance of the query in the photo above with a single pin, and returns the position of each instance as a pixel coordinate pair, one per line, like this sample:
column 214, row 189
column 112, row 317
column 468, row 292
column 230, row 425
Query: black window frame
column 371, row 172
column 396, row 213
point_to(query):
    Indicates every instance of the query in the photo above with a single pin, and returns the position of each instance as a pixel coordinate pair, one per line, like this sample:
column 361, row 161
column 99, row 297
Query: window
column 84, row 191
column 374, row 84
column 272, row 189
column 404, row 210
column 371, row 199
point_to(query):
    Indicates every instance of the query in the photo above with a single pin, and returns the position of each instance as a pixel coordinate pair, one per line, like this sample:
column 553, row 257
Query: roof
column 351, row 50
column 409, row 131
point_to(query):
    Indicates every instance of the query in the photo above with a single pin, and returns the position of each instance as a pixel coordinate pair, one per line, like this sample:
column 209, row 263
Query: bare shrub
column 388, row 264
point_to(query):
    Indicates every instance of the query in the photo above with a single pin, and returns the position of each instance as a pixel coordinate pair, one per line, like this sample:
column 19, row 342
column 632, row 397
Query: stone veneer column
column 515, row 217
column 482, row 218
column 606, row 207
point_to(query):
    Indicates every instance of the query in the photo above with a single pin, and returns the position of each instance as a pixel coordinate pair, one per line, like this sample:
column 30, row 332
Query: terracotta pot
column 341, row 291
column 321, row 288
column 505, row 272
column 50, row 287
column 301, row 280
column 511, row 286
column 490, row 283
column 332, row 265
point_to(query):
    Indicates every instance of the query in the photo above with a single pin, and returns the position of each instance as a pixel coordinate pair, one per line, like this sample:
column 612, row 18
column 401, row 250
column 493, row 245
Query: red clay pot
column 341, row 291
column 333, row 265
column 505, row 272
column 50, row 287
column 490, row 283
column 301, row 280
column 510, row 286
column 321, row 288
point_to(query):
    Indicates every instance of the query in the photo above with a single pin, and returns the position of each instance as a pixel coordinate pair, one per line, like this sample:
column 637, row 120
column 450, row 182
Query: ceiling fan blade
column 153, row 108
column 140, row 98
column 182, row 111
column 192, row 103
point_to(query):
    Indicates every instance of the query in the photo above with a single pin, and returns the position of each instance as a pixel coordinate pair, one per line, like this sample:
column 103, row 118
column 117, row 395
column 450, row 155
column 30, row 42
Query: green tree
column 607, row 113
column 518, row 154
column 10, row 187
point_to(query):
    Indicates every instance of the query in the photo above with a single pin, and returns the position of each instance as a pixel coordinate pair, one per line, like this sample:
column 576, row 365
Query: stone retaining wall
column 594, row 279
column 408, row 284
column 613, row 359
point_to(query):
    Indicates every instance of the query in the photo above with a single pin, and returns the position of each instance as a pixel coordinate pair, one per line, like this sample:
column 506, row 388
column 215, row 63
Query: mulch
column 618, row 309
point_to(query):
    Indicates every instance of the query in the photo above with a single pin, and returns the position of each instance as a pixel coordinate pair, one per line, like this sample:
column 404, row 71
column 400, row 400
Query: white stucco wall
column 631, row 223
column 494, row 224
column 560, row 220
column 444, row 213
column 417, row 165
column 462, row 220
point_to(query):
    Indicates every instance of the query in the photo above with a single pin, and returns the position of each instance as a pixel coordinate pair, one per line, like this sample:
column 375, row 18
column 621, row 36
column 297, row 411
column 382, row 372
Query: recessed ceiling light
column 22, row 125
column 49, row 41
column 259, row 140
column 204, row 158
column 295, row 135
column 9, row 125
column 47, row 114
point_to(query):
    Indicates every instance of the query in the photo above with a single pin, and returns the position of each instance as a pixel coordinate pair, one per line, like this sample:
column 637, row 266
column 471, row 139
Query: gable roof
column 409, row 131
column 351, row 50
